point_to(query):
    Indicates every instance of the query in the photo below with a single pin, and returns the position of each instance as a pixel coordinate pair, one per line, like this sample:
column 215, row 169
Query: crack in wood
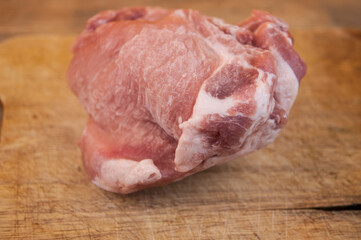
column 256, row 235
column 350, row 207
column 335, row 208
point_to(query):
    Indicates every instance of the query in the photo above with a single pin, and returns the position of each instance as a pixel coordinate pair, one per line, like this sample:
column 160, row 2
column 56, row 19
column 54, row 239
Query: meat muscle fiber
column 172, row 92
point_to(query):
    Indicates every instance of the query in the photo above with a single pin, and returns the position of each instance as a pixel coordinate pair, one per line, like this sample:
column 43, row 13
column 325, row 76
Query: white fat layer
column 190, row 149
column 286, row 92
column 123, row 175
column 263, row 96
column 289, row 40
column 287, row 83
column 206, row 104
column 286, row 89
column 180, row 13
column 271, row 25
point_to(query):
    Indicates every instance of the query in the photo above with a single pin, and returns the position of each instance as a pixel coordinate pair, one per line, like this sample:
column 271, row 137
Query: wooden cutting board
column 306, row 185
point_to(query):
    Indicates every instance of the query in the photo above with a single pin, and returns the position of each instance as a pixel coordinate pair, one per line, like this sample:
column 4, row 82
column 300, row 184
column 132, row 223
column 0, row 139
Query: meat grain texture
column 172, row 92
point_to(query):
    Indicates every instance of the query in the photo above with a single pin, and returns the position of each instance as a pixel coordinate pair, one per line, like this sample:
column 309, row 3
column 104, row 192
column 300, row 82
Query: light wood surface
column 305, row 185
column 69, row 16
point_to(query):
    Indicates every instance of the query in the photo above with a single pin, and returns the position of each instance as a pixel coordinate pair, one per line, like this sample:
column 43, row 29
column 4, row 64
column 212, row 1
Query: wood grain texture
column 69, row 16
column 271, row 194
column 306, row 185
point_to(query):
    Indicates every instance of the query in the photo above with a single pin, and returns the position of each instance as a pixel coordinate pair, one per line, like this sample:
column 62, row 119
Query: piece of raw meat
column 170, row 93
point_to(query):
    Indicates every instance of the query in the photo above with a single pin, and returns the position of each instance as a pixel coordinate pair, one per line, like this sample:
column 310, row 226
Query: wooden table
column 305, row 185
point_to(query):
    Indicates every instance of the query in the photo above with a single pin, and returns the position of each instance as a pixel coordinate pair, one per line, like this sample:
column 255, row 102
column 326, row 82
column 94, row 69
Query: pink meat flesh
column 170, row 93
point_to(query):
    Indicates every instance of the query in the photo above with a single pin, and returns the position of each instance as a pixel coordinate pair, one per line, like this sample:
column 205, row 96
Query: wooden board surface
column 69, row 16
column 306, row 185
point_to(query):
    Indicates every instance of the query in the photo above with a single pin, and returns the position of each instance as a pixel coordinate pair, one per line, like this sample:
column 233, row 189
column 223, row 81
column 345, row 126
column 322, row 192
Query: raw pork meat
column 170, row 93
